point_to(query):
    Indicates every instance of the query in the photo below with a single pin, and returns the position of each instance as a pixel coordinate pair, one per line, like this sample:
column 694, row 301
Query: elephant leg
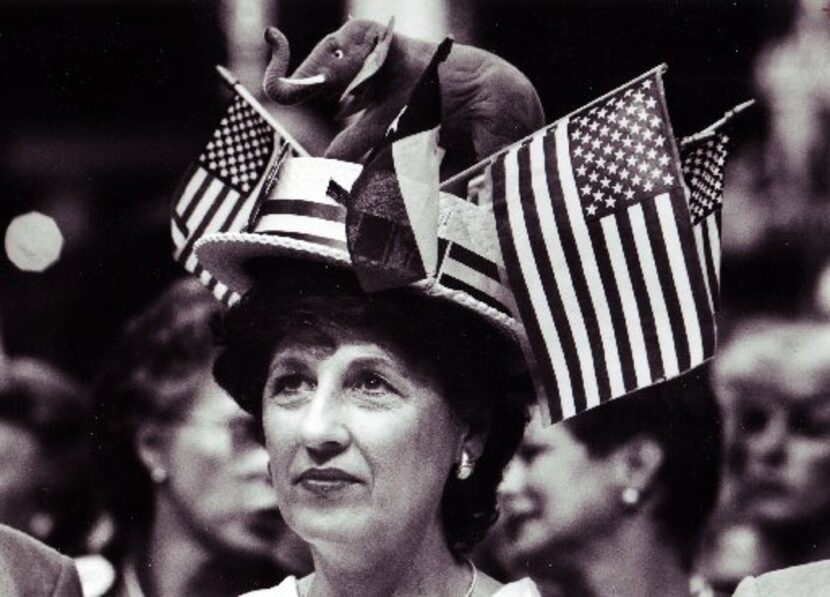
column 352, row 143
column 359, row 138
column 487, row 142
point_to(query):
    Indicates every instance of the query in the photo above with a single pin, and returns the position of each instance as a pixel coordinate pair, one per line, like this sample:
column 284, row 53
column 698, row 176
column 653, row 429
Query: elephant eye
column 338, row 53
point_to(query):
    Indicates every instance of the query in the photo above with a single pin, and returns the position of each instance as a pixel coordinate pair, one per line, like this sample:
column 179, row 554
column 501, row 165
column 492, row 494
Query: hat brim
column 225, row 254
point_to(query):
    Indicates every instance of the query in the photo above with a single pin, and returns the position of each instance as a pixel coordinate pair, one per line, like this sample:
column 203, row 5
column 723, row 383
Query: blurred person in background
column 46, row 483
column 773, row 378
column 184, row 470
column 613, row 502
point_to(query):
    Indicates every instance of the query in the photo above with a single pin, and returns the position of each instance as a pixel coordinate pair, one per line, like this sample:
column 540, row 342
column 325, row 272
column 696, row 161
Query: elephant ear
column 373, row 62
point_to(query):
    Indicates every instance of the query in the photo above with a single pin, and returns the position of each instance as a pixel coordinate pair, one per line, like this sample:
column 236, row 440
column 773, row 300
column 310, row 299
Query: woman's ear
column 472, row 442
column 637, row 463
column 150, row 442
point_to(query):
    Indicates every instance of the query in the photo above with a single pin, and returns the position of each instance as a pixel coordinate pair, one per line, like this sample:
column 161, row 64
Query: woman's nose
column 768, row 447
column 323, row 430
column 511, row 484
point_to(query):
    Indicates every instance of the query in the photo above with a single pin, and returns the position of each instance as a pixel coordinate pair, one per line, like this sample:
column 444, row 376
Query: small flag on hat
column 703, row 156
column 599, row 250
column 392, row 217
column 221, row 187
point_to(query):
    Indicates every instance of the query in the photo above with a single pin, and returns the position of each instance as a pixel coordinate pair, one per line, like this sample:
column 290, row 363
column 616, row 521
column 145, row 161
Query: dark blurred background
column 104, row 104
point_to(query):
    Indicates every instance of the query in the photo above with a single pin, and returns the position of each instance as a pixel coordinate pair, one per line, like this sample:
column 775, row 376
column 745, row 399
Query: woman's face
column 360, row 438
column 217, row 474
column 554, row 494
column 782, row 449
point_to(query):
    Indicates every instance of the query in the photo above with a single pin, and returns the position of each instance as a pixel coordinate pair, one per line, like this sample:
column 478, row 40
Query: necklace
column 468, row 593
column 474, row 579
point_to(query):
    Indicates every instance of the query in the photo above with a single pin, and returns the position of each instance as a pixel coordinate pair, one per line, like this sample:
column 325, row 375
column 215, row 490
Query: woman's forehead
column 811, row 392
column 320, row 343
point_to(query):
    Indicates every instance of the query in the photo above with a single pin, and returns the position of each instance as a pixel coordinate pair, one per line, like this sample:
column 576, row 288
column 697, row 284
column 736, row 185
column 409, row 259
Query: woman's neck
column 416, row 563
column 631, row 562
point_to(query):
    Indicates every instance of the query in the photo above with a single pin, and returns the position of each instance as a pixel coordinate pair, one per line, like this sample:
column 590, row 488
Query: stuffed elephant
column 486, row 102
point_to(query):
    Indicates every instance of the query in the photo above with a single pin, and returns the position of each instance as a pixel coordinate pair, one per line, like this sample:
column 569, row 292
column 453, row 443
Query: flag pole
column 237, row 86
column 710, row 130
column 467, row 173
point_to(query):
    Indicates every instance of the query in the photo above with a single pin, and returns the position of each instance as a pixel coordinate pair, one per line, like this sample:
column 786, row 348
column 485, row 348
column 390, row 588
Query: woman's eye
column 338, row 53
column 753, row 420
column 372, row 383
column 291, row 384
column 807, row 426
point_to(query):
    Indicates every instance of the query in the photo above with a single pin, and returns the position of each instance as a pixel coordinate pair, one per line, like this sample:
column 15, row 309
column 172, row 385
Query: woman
column 773, row 377
column 46, row 487
column 183, row 470
column 613, row 502
column 388, row 417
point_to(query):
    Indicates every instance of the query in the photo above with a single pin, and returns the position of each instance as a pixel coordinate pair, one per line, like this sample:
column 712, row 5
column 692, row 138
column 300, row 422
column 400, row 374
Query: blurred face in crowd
column 360, row 438
column 774, row 380
column 554, row 494
column 20, row 460
column 783, row 449
column 217, row 477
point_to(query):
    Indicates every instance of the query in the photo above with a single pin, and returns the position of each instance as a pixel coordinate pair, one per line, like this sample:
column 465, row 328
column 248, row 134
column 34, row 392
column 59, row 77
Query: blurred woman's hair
column 54, row 409
column 476, row 365
column 788, row 356
column 152, row 375
column 683, row 417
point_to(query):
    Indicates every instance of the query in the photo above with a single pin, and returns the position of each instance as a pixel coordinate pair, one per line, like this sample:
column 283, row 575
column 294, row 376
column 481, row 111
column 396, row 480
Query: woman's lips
column 323, row 481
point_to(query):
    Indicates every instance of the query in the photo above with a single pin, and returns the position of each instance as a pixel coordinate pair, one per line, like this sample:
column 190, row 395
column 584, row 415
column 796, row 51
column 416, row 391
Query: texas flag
column 392, row 218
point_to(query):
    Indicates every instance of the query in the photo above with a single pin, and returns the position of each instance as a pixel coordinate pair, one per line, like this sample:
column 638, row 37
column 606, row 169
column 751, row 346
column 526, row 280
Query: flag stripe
column 671, row 298
column 311, row 238
column 454, row 283
column 216, row 194
column 692, row 290
column 474, row 261
column 713, row 227
column 300, row 207
column 704, row 265
column 654, row 290
column 199, row 184
column 549, row 260
column 643, row 356
column 552, row 373
column 705, row 233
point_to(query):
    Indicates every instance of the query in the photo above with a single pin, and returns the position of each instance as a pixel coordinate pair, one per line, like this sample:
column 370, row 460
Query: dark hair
column 475, row 364
column 682, row 416
column 54, row 409
column 163, row 356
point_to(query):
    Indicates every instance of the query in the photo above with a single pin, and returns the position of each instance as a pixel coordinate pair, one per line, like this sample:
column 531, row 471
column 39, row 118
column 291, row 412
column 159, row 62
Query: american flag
column 704, row 160
column 221, row 187
column 599, row 250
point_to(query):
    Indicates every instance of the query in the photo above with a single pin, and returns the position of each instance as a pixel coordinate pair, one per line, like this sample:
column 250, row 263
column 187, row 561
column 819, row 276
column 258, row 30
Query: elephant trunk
column 275, row 85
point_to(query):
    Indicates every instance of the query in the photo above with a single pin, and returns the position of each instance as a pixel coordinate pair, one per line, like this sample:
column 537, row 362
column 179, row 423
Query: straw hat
column 301, row 218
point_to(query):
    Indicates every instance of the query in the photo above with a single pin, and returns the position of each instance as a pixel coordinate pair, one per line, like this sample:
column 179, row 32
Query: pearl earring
column 631, row 496
column 465, row 467
column 158, row 475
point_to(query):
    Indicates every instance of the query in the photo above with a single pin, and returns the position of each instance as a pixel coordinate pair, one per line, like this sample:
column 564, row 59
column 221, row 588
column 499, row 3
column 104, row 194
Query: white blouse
column 289, row 588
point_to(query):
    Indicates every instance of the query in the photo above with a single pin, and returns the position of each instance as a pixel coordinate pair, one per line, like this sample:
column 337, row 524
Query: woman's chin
column 329, row 524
